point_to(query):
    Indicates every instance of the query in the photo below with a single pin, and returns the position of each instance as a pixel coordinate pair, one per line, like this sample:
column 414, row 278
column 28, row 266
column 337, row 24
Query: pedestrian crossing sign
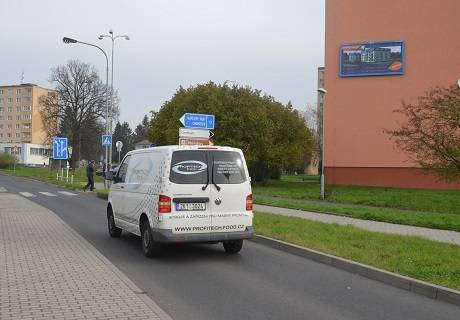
column 106, row 140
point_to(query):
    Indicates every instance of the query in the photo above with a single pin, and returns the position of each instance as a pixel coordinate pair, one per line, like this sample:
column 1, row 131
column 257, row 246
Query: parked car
column 113, row 170
column 182, row 194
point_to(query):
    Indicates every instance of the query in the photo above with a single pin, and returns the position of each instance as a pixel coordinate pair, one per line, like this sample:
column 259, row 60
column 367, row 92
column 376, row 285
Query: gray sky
column 272, row 45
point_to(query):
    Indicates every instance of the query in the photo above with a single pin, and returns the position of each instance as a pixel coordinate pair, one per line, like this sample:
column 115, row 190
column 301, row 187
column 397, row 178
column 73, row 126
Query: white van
column 182, row 194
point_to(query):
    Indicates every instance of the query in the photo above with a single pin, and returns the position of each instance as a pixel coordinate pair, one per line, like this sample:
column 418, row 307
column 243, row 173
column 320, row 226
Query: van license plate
column 193, row 206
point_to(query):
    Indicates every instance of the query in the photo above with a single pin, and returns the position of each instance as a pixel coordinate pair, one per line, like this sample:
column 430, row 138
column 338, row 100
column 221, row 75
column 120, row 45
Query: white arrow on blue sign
column 106, row 140
column 60, row 148
column 198, row 121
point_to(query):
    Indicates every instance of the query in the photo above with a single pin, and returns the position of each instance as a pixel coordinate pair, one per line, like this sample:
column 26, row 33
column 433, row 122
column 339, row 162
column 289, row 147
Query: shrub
column 6, row 160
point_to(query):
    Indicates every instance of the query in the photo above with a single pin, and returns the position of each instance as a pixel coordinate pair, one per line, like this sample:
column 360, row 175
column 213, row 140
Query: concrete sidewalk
column 47, row 271
column 432, row 234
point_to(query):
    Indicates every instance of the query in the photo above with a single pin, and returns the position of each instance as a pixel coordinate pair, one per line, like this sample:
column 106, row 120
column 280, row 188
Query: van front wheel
column 114, row 231
column 232, row 246
column 150, row 248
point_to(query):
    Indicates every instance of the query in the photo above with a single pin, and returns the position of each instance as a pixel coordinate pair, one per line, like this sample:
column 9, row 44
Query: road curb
column 417, row 286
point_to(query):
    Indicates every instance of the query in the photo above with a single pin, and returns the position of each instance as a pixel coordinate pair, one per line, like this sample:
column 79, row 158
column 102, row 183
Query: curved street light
column 67, row 40
column 112, row 37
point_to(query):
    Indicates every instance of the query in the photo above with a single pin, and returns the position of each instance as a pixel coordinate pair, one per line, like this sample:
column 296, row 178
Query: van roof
column 177, row 147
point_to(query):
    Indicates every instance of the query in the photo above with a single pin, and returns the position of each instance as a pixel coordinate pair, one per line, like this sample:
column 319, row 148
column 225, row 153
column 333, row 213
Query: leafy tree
column 124, row 134
column 431, row 132
column 78, row 106
column 141, row 131
column 271, row 135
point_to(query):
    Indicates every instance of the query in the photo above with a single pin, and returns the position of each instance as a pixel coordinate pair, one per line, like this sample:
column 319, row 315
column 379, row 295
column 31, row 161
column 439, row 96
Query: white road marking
column 27, row 194
column 67, row 193
column 49, row 194
column 2, row 189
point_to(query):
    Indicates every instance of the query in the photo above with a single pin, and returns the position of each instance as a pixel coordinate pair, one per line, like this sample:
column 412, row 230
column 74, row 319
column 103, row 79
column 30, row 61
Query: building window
column 18, row 108
column 28, row 90
column 1, row 126
column 27, row 117
column 10, row 126
column 26, row 99
column 18, row 135
column 39, row 152
column 1, row 100
column 10, row 100
column 8, row 135
column 10, row 109
column 18, row 126
column 1, row 117
column 1, row 91
column 10, row 118
column 26, row 126
column 18, row 117
column 18, row 99
column 1, row 109
column 26, row 134
column 18, row 91
column 27, row 108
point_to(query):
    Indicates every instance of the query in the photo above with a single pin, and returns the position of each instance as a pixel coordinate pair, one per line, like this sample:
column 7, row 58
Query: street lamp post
column 323, row 92
column 112, row 37
column 71, row 41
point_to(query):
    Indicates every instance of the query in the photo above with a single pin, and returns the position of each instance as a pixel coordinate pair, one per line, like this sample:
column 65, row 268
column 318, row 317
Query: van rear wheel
column 114, row 231
column 232, row 246
column 150, row 248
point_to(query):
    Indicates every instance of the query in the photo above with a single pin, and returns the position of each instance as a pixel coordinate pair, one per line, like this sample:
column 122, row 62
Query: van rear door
column 231, row 191
column 190, row 203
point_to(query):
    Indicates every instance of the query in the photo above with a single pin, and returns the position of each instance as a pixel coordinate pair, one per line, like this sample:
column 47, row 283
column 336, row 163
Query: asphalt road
column 202, row 282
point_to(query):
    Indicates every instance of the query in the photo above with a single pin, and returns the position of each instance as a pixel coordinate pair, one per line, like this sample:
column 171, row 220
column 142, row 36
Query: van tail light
column 164, row 204
column 249, row 203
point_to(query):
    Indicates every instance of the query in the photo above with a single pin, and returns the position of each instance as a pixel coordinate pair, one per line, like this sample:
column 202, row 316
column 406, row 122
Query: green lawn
column 419, row 207
column 415, row 257
column 47, row 175
column 411, row 199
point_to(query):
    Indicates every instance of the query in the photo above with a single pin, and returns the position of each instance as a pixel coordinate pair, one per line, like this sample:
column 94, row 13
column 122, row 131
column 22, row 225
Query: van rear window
column 195, row 166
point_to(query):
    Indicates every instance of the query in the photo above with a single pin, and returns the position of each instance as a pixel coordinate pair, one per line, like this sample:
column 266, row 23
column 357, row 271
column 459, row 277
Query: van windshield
column 195, row 166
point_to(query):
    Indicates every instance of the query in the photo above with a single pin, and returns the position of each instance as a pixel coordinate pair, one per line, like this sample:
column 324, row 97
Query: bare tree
column 431, row 133
column 76, row 106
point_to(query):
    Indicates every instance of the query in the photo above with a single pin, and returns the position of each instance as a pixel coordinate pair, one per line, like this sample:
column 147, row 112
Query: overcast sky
column 272, row 45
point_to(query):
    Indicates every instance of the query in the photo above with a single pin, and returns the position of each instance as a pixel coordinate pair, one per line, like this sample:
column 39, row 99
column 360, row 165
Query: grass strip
column 45, row 174
column 440, row 201
column 48, row 176
column 422, row 259
column 445, row 221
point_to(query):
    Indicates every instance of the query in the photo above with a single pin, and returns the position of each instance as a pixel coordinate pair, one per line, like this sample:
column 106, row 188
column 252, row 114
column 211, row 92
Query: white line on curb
column 27, row 194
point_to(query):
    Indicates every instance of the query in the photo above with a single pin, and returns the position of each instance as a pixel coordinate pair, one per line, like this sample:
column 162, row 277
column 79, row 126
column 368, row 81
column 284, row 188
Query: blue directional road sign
column 106, row 140
column 198, row 121
column 60, row 148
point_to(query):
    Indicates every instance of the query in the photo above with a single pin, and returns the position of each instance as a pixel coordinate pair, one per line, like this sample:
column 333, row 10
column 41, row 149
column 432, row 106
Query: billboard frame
column 381, row 43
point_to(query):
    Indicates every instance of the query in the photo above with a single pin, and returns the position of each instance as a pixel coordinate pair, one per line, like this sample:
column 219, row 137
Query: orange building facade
column 359, row 109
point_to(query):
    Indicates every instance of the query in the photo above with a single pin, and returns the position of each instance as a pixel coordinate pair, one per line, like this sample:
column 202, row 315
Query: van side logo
column 189, row 167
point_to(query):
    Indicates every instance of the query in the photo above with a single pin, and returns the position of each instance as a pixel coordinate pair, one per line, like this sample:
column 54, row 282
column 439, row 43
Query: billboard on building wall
column 372, row 58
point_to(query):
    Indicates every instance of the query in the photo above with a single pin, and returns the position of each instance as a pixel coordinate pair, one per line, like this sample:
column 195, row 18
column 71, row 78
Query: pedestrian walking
column 90, row 176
